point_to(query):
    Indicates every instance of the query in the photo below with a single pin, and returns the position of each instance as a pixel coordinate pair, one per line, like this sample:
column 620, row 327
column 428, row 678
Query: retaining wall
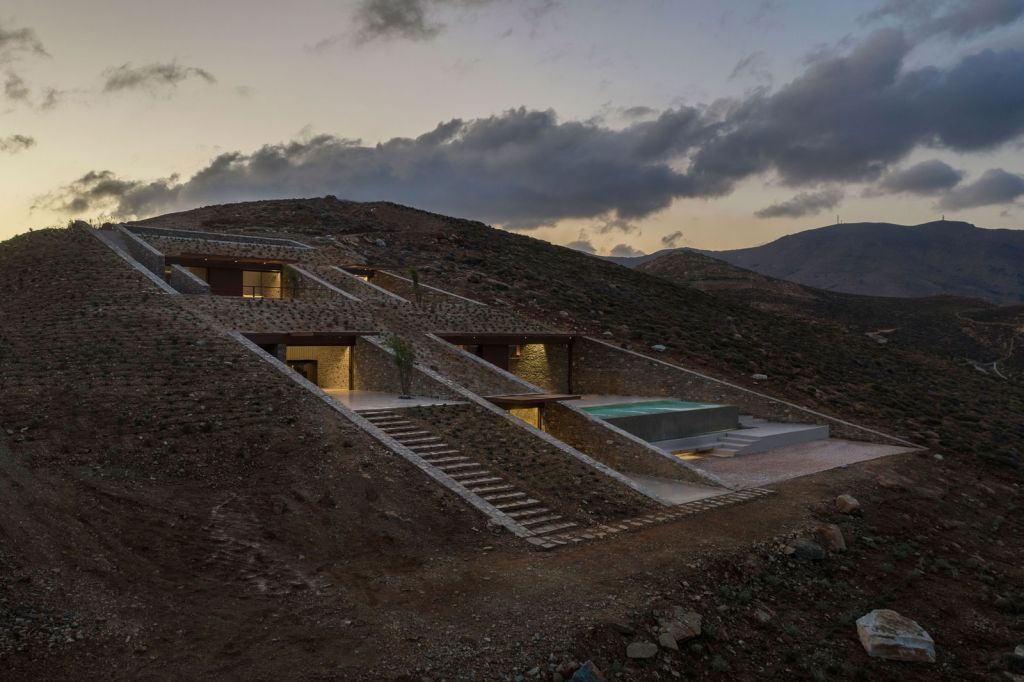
column 601, row 368
column 152, row 259
column 185, row 282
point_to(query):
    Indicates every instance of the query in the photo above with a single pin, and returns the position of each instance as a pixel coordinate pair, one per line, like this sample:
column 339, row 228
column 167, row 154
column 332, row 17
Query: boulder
column 759, row 377
column 643, row 649
column 847, row 504
column 658, row 348
column 588, row 672
column 831, row 536
column 683, row 626
column 887, row 634
column 807, row 550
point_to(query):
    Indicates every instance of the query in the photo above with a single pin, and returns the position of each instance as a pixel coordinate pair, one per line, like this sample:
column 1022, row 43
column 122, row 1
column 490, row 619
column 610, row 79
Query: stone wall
column 403, row 286
column 615, row 448
column 356, row 285
column 332, row 363
column 470, row 371
column 185, row 282
column 303, row 285
column 152, row 259
column 217, row 237
column 276, row 315
column 543, row 364
column 373, row 369
column 601, row 368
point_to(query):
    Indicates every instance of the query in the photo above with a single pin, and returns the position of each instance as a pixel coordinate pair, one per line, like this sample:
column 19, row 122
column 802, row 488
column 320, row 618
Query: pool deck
column 781, row 464
column 676, row 492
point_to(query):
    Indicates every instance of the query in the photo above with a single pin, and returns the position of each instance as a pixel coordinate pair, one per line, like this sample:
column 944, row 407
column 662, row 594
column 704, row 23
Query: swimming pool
column 647, row 407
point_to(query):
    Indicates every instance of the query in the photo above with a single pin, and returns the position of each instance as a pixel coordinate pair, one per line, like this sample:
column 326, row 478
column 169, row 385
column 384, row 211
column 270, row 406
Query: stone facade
column 185, row 282
column 601, row 368
column 374, row 369
column 332, row 363
column 545, row 365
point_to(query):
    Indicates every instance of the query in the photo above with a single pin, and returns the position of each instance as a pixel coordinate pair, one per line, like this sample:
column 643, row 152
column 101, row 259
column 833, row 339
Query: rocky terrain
column 881, row 259
column 137, row 543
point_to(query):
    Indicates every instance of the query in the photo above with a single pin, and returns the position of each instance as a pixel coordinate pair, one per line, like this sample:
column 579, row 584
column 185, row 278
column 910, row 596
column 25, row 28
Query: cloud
column 673, row 240
column 13, row 144
column 639, row 112
column 625, row 251
column 847, row 118
column 583, row 245
column 17, row 42
column 151, row 77
column 925, row 178
column 15, row 88
column 417, row 19
column 803, row 204
column 995, row 186
column 521, row 169
column 611, row 224
column 958, row 19
column 754, row 65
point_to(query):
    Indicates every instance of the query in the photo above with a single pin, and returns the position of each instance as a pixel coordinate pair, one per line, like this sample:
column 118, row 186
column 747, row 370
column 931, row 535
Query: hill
column 173, row 507
column 883, row 259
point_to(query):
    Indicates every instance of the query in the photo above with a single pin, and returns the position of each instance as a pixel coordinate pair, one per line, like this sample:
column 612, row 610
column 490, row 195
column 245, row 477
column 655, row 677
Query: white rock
column 759, row 377
column 659, row 348
column 887, row 634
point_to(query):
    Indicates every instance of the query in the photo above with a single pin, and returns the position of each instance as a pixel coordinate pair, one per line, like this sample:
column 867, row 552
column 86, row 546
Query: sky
column 612, row 126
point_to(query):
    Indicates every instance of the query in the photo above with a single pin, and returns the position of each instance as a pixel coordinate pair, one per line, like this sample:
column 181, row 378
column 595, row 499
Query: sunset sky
column 625, row 125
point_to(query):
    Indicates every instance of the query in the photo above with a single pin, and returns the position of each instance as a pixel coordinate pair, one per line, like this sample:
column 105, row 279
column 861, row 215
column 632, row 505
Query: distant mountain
column 882, row 259
column 634, row 262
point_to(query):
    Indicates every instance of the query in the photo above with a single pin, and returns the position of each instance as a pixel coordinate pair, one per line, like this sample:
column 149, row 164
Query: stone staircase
column 761, row 436
column 470, row 474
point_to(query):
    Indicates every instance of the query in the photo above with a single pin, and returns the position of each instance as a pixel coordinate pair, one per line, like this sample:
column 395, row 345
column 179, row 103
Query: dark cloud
column 13, row 144
column 583, row 245
column 18, row 41
column 953, row 18
column 925, row 178
column 673, row 240
column 803, row 204
column 151, row 77
column 754, row 65
column 521, row 169
column 996, row 186
column 610, row 224
column 625, row 251
column 847, row 118
column 417, row 20
column 639, row 112
column 15, row 88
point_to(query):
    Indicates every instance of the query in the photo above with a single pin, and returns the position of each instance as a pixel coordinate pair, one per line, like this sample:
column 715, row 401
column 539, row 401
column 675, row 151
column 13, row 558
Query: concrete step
column 490, row 489
column 401, row 431
column 427, row 446
column 392, row 424
column 544, row 530
column 527, row 513
column 447, row 460
column 543, row 518
column 375, row 413
column 457, row 466
column 502, row 496
column 519, row 504
column 418, row 440
column 469, row 483
column 429, row 456
column 468, row 475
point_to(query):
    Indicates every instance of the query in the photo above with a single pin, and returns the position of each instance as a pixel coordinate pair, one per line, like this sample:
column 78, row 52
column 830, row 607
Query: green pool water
column 651, row 407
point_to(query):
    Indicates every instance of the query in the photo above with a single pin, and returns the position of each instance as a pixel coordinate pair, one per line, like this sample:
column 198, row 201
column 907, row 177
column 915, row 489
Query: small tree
column 417, row 291
column 405, row 356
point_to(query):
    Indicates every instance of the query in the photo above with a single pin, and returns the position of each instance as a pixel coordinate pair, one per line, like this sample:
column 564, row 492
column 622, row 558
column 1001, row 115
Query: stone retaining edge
column 164, row 286
column 363, row 282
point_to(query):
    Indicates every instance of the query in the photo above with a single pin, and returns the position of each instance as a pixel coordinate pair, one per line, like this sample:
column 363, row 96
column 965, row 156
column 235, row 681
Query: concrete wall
column 152, row 259
column 332, row 363
column 601, row 368
column 543, row 364
column 682, row 424
column 617, row 450
column 185, row 282
column 373, row 369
